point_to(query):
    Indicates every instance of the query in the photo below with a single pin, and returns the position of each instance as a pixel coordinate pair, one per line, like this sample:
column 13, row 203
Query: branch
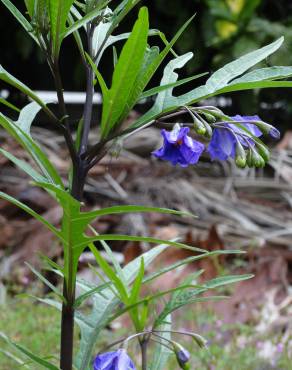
column 63, row 112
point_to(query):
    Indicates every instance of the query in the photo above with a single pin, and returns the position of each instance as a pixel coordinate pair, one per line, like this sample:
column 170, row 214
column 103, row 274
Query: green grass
column 33, row 325
column 36, row 327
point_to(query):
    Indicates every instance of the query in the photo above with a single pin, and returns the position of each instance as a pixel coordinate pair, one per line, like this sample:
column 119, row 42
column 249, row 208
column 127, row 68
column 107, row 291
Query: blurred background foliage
column 223, row 30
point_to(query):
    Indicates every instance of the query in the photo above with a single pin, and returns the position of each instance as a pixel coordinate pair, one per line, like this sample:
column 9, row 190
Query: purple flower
column 224, row 139
column 178, row 147
column 116, row 360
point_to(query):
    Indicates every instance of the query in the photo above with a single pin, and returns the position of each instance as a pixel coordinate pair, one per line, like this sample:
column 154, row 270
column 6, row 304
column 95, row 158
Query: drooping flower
column 178, row 147
column 116, row 360
column 225, row 139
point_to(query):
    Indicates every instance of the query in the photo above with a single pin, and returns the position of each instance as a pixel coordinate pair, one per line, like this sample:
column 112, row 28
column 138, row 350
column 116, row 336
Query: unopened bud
column 209, row 117
column 268, row 129
column 208, row 128
column 240, row 156
column 263, row 151
column 257, row 159
column 199, row 126
column 249, row 159
column 182, row 355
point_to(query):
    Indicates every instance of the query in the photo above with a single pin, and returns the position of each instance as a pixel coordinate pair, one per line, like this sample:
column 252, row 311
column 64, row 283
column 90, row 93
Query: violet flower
column 116, row 360
column 224, row 139
column 179, row 148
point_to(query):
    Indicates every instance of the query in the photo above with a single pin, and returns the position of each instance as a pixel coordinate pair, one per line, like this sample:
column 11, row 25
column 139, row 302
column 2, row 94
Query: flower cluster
column 236, row 138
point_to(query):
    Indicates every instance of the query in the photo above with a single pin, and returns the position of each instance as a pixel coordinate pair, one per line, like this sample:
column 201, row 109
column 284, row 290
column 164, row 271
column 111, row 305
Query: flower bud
column 240, row 157
column 249, row 159
column 257, row 159
column 199, row 126
column 268, row 129
column 208, row 128
column 182, row 355
column 263, row 151
column 209, row 117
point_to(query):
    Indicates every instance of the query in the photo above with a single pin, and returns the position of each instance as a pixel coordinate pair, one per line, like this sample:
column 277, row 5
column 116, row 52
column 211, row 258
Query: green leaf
column 9, row 79
column 226, row 280
column 220, row 82
column 30, row 6
column 59, row 11
column 30, row 212
column 182, row 298
column 262, row 74
column 21, row 19
column 160, row 88
column 186, row 261
column 46, row 282
column 27, row 115
column 134, row 295
column 77, row 37
column 169, row 76
column 115, row 262
column 36, row 359
column 72, row 230
column 260, row 78
column 51, row 265
column 253, row 85
column 86, row 19
column 9, row 105
column 33, row 149
column 18, row 360
column 164, row 98
column 99, row 77
column 121, row 11
column 24, row 166
column 145, row 239
column 125, row 73
column 92, row 324
column 137, row 88
column 132, row 209
column 152, row 68
column 96, row 290
column 220, row 78
column 109, row 272
column 161, row 353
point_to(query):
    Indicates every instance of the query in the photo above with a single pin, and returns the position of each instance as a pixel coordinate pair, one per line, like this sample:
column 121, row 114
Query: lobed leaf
column 92, row 324
column 222, row 81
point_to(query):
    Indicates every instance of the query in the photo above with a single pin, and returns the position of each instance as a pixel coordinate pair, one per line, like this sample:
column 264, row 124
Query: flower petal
column 179, row 148
column 222, row 144
column 176, row 134
column 104, row 361
column 124, row 362
column 191, row 150
column 250, row 126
